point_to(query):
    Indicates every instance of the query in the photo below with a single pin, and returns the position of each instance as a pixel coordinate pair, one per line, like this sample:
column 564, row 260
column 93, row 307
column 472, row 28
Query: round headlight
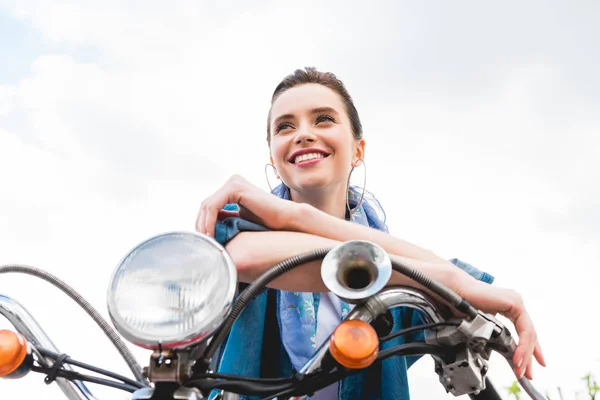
column 172, row 290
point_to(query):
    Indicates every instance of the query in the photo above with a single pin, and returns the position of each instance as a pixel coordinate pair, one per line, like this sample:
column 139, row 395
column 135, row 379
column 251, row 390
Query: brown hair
column 327, row 79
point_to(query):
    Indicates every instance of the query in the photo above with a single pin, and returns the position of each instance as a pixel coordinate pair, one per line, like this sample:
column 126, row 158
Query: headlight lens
column 172, row 290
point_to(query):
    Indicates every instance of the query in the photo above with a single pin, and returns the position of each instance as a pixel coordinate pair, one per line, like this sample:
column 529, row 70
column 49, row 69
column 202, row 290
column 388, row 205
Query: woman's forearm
column 313, row 221
column 256, row 252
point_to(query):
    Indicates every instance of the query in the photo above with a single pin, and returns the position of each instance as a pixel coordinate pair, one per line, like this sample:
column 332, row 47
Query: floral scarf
column 298, row 310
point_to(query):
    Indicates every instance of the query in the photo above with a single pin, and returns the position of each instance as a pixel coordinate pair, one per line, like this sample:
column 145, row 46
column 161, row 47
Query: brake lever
column 475, row 339
column 476, row 332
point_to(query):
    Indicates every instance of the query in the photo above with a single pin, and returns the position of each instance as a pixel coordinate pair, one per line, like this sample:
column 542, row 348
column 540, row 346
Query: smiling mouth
column 305, row 158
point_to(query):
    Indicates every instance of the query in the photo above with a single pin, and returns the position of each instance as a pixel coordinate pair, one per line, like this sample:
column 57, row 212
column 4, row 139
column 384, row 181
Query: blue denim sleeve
column 227, row 229
column 474, row 272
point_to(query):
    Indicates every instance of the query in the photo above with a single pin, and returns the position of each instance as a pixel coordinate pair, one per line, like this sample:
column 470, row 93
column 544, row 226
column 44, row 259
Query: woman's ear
column 359, row 152
column 276, row 172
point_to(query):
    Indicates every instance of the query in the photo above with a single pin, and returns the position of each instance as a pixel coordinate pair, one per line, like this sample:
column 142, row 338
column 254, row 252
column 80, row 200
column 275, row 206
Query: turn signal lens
column 354, row 344
column 13, row 350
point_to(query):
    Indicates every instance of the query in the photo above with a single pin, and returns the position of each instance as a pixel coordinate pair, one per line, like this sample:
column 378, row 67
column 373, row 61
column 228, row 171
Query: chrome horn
column 356, row 270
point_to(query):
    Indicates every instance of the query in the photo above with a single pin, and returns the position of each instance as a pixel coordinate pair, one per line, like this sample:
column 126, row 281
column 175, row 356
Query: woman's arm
column 256, row 252
column 311, row 220
column 282, row 215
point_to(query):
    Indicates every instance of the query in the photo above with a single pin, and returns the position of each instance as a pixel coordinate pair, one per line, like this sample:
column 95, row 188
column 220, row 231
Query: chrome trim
column 183, row 393
column 315, row 362
column 397, row 296
column 367, row 258
column 24, row 323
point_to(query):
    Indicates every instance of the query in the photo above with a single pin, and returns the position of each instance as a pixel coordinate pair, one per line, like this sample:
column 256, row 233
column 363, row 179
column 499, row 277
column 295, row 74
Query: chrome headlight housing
column 172, row 290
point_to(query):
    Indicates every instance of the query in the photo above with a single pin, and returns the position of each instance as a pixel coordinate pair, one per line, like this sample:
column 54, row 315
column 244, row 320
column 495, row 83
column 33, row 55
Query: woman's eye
column 325, row 118
column 282, row 126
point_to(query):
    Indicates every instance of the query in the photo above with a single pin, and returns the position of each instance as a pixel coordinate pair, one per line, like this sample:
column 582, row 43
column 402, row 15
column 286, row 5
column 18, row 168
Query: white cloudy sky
column 118, row 117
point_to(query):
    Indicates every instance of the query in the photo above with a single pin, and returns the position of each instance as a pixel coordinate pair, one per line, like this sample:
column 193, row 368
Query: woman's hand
column 255, row 205
column 485, row 297
column 493, row 299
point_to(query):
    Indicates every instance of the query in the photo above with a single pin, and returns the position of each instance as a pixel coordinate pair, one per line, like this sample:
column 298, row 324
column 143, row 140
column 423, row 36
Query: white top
column 329, row 316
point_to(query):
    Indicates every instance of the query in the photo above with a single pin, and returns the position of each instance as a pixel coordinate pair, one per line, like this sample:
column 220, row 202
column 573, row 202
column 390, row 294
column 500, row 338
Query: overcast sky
column 482, row 125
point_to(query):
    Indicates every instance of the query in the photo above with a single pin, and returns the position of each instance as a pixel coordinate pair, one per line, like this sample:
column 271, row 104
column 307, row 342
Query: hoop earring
column 353, row 210
column 267, row 176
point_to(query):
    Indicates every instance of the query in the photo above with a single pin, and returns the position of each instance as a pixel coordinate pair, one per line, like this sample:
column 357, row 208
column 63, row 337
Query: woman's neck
column 331, row 200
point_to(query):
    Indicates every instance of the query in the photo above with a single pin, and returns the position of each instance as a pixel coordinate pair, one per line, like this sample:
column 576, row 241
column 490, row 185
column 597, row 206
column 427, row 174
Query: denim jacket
column 254, row 347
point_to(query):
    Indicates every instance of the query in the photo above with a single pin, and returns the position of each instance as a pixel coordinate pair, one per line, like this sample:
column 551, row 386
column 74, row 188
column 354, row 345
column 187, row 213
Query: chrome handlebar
column 397, row 296
column 374, row 307
column 25, row 324
column 465, row 375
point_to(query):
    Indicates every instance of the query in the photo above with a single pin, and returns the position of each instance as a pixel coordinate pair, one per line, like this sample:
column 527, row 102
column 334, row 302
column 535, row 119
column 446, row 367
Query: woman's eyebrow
column 282, row 118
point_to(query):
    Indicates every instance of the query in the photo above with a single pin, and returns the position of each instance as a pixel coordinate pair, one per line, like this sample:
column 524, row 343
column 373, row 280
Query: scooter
column 189, row 286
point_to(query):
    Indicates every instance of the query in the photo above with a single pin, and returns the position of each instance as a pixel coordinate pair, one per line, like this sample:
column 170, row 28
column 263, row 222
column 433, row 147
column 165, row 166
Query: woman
column 316, row 140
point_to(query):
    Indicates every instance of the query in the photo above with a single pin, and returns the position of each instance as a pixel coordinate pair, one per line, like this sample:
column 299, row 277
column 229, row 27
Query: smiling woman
column 315, row 139
column 313, row 144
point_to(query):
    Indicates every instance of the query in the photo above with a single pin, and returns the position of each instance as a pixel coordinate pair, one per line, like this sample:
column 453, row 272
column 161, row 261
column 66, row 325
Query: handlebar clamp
column 465, row 375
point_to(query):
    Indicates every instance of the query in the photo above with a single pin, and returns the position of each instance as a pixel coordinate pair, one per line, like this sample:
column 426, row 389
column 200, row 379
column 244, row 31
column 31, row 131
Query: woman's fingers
column 210, row 220
column 200, row 226
column 539, row 355
column 528, row 342
column 255, row 205
column 209, row 209
column 528, row 372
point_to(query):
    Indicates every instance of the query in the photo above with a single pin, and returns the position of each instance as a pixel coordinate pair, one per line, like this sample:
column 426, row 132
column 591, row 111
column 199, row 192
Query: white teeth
column 308, row 156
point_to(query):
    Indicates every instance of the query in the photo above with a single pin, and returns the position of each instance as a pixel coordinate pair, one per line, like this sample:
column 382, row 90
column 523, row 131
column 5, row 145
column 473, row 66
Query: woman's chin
column 312, row 184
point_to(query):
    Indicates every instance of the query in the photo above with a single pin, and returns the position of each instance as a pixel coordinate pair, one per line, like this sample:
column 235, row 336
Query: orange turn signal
column 13, row 350
column 354, row 344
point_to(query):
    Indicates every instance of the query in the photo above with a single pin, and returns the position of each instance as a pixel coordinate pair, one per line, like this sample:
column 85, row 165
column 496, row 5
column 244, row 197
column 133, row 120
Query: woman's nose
column 304, row 135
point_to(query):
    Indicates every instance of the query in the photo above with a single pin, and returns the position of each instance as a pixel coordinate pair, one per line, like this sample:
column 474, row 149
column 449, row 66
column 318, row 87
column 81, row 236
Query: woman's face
column 312, row 145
